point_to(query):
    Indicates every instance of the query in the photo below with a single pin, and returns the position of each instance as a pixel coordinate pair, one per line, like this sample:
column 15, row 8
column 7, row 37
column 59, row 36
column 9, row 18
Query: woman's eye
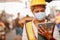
column 37, row 11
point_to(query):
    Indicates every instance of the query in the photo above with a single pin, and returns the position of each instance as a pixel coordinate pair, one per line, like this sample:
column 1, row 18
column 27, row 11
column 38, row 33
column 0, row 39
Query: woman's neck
column 36, row 22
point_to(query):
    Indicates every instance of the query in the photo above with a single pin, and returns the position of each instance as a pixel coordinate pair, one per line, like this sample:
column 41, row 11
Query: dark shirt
column 16, row 22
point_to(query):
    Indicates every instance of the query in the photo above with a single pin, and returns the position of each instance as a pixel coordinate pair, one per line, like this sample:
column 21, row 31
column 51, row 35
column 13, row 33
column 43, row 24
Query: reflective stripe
column 30, row 31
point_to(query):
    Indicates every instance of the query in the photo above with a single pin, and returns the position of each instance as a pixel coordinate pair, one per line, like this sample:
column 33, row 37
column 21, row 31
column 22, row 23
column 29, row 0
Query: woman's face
column 38, row 9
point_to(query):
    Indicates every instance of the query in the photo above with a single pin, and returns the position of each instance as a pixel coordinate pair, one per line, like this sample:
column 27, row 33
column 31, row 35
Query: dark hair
column 18, row 13
column 33, row 7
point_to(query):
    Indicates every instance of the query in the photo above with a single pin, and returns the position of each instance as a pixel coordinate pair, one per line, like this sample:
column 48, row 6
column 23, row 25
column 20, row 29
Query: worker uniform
column 24, row 35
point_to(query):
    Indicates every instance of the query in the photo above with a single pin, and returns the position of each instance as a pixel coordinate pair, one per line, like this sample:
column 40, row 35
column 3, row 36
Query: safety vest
column 30, row 31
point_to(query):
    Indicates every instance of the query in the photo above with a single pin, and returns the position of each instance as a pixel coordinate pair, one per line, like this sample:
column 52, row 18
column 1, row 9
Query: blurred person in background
column 2, row 31
column 18, row 26
column 57, row 21
column 5, row 21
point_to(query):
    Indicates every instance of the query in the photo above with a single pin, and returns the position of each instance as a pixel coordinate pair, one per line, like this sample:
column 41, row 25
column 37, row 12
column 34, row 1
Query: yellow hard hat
column 37, row 2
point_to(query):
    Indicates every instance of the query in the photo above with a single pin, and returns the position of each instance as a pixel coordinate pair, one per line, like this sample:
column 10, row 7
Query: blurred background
column 10, row 8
